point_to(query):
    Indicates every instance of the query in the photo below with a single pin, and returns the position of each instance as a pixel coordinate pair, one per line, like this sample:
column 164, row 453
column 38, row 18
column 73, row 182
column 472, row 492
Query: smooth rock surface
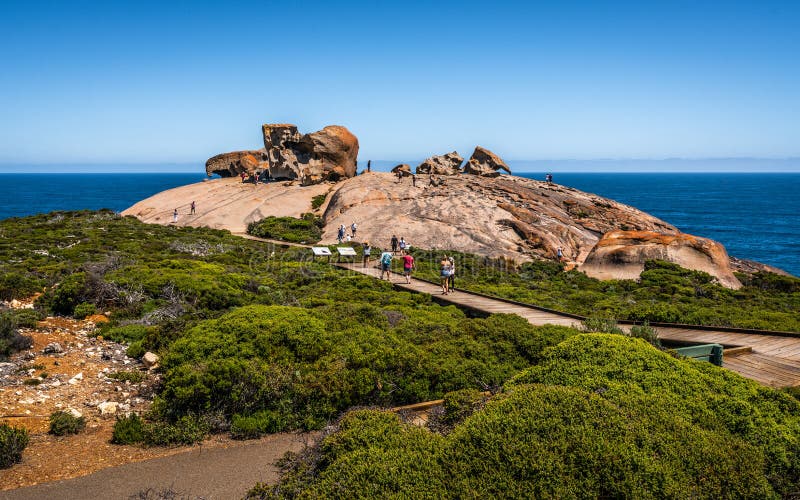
column 622, row 254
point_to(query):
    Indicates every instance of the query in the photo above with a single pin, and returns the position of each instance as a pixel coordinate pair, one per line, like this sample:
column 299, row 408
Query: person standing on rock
column 386, row 265
column 394, row 243
column 175, row 215
column 367, row 252
column 444, row 272
column 560, row 254
column 413, row 180
column 193, row 208
column 340, row 235
column 369, row 165
column 353, row 228
column 408, row 266
column 402, row 244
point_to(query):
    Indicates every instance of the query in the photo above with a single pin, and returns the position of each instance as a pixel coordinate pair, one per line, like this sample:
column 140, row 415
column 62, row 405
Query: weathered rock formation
column 504, row 216
column 622, row 254
column 448, row 164
column 403, row 169
column 328, row 154
column 484, row 162
column 236, row 162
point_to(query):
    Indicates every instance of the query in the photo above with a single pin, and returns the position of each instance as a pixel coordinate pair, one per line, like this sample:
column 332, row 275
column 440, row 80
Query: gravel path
column 220, row 473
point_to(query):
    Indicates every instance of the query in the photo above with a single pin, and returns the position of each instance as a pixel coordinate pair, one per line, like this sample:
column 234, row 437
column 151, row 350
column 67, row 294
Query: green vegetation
column 12, row 441
column 83, row 310
column 601, row 416
column 664, row 293
column 11, row 340
column 318, row 201
column 63, row 423
column 307, row 229
column 128, row 430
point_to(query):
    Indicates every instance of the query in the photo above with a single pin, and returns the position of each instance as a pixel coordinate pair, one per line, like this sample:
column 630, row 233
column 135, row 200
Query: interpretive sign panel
column 346, row 251
column 321, row 251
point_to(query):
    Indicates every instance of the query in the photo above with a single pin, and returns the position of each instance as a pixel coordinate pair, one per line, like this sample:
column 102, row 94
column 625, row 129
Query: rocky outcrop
column 484, row 162
column 622, row 254
column 234, row 163
column 326, row 155
column 403, row 169
column 506, row 216
column 448, row 164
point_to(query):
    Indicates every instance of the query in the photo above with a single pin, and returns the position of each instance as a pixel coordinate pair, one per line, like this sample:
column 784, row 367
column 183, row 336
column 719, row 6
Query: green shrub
column 307, row 229
column 126, row 333
column 318, row 201
column 66, row 295
column 458, row 405
column 12, row 441
column 25, row 318
column 135, row 350
column 11, row 341
column 646, row 333
column 600, row 325
column 14, row 285
column 133, row 377
column 83, row 310
column 128, row 430
column 186, row 430
column 257, row 425
column 63, row 423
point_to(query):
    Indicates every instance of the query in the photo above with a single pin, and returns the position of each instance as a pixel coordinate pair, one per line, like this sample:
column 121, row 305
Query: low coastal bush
column 13, row 441
column 131, row 376
column 84, row 309
column 602, row 416
column 63, row 423
column 274, row 368
column 318, row 201
column 128, row 429
column 132, row 429
column 307, row 229
column 11, row 341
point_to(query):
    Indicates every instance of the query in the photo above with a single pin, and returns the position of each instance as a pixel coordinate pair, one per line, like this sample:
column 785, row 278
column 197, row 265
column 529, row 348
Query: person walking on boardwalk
column 353, row 228
column 394, row 243
column 367, row 252
column 386, row 265
column 408, row 266
column 444, row 273
column 193, row 208
column 451, row 283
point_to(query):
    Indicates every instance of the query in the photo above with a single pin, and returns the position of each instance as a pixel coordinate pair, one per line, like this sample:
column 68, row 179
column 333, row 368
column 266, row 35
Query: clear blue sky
column 142, row 82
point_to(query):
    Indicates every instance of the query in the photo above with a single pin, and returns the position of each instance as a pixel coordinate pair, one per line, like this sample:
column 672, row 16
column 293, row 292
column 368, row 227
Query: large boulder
column 622, row 254
column 236, row 162
column 328, row 154
column 484, row 162
column 402, row 169
column 448, row 164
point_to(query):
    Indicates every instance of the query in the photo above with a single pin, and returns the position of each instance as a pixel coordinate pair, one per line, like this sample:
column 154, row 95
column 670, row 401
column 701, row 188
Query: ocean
column 756, row 216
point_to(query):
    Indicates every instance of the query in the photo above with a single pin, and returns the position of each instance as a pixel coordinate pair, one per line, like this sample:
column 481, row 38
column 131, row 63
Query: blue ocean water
column 756, row 216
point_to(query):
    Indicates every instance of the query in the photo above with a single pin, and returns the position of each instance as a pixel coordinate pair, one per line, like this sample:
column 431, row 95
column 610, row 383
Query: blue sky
column 177, row 82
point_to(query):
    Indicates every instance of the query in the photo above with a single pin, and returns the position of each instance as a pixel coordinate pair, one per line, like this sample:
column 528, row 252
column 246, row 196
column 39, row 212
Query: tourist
column 560, row 254
column 353, row 228
column 348, row 238
column 369, row 165
column 340, row 235
column 445, row 275
column 413, row 180
column 451, row 283
column 408, row 266
column 402, row 244
column 394, row 243
column 175, row 215
column 193, row 208
column 386, row 265
column 367, row 252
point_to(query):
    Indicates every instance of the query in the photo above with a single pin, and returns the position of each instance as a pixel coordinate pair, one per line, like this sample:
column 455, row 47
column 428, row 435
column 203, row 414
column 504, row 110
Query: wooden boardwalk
column 772, row 360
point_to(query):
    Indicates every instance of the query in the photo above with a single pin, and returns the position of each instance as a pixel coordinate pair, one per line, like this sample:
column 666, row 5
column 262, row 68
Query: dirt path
column 225, row 472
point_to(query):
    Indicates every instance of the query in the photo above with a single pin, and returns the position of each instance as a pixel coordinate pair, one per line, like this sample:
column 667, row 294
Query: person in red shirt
column 408, row 266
